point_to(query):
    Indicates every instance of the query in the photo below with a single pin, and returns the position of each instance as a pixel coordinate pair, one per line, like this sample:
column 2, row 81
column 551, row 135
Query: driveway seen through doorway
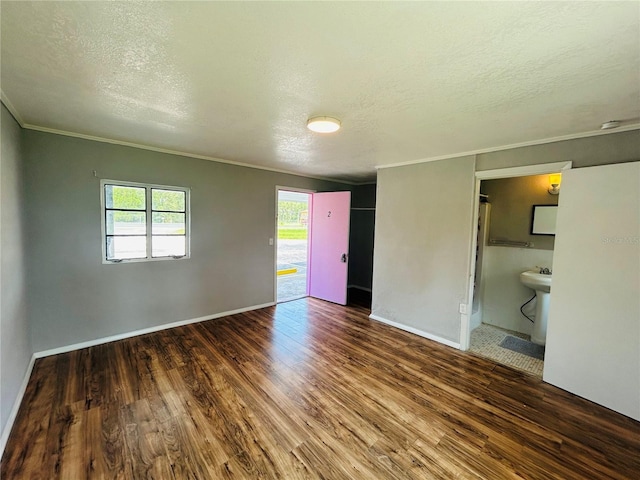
column 292, row 269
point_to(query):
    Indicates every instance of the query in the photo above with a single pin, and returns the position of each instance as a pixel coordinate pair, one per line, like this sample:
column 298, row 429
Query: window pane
column 171, row 200
column 126, row 247
column 117, row 196
column 168, row 246
column 168, row 223
column 126, row 223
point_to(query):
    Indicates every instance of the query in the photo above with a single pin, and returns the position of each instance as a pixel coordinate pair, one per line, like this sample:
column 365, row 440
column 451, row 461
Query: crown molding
column 12, row 110
column 374, row 182
column 28, row 126
column 594, row 133
column 574, row 136
column 141, row 146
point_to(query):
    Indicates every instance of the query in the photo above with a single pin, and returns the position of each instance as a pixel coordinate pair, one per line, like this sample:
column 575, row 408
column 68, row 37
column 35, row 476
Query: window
column 144, row 222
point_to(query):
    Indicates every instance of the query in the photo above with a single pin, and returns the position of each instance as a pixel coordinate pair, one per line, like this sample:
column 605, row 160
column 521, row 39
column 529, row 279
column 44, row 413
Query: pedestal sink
column 541, row 283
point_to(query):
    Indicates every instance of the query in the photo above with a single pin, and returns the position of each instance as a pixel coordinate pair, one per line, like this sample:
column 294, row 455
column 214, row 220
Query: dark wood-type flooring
column 306, row 389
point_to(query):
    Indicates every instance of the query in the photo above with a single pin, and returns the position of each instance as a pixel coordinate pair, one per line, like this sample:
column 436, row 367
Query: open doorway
column 292, row 255
column 504, row 323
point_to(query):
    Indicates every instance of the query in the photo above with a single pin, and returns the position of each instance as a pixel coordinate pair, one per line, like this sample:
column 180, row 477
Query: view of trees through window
column 292, row 219
column 132, row 210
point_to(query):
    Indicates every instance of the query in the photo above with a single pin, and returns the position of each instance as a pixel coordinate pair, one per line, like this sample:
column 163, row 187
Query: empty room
column 320, row 240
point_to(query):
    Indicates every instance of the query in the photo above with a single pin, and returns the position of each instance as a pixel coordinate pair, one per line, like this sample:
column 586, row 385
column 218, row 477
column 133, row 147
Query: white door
column 593, row 335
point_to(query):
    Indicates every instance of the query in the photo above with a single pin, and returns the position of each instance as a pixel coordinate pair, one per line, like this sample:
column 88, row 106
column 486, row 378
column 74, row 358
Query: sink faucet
column 545, row 271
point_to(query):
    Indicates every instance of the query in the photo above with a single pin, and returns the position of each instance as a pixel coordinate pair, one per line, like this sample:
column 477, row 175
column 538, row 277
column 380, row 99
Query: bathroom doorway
column 502, row 309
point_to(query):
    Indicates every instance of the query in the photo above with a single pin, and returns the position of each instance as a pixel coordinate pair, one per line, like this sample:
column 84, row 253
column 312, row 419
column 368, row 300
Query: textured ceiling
column 238, row 80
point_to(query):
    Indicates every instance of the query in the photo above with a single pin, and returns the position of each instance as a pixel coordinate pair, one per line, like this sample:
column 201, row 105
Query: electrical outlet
column 271, row 241
column 463, row 308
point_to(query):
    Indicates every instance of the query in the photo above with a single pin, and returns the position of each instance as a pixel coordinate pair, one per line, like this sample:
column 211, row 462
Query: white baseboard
column 415, row 331
column 135, row 333
column 98, row 341
column 358, row 287
column 16, row 406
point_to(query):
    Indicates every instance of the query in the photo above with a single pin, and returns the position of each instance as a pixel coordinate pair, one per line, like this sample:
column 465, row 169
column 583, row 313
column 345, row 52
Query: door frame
column 275, row 237
column 510, row 172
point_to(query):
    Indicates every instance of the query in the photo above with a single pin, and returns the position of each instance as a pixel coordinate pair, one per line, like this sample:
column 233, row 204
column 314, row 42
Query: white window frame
column 148, row 209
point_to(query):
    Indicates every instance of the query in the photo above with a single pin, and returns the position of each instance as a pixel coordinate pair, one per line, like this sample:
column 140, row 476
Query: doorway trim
column 275, row 236
column 537, row 169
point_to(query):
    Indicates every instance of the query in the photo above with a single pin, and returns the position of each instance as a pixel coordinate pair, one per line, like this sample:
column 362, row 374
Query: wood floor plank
column 305, row 390
column 114, row 450
column 71, row 459
column 32, row 422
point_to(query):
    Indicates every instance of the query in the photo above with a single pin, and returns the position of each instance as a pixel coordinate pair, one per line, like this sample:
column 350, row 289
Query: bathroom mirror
column 543, row 221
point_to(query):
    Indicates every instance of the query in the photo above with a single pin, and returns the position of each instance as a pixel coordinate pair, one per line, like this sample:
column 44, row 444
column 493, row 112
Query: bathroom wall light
column 555, row 179
column 323, row 124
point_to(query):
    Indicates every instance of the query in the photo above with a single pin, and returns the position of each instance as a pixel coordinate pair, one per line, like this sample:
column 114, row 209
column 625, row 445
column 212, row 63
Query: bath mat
column 523, row 346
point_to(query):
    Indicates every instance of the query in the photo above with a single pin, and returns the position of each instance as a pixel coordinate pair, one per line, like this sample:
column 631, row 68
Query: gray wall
column 422, row 255
column 417, row 276
column 74, row 298
column 15, row 343
column 583, row 152
column 511, row 204
column 361, row 236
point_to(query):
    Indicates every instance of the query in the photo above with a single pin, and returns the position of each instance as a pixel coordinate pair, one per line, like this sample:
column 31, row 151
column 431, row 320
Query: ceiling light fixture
column 610, row 124
column 323, row 124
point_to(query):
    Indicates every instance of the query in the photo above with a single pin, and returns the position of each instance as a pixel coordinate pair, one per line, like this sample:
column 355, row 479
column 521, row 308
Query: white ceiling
column 238, row 80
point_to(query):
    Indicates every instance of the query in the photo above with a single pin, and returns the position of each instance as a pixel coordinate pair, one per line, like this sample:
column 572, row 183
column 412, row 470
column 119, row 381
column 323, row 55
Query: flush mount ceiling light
column 323, row 124
column 610, row 124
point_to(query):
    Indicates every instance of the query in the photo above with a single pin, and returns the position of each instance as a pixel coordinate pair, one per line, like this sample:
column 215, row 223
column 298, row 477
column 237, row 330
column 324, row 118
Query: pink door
column 329, row 246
